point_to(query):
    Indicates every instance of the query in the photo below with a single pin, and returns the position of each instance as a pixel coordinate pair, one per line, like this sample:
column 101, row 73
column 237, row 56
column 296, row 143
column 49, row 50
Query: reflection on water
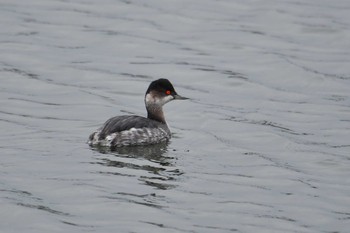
column 152, row 159
column 150, row 152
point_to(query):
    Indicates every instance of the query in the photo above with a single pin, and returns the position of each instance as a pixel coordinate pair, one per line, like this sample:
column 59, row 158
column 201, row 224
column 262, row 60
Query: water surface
column 261, row 146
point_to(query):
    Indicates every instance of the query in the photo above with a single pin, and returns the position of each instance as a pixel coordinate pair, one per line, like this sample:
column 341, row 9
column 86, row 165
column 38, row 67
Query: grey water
column 263, row 144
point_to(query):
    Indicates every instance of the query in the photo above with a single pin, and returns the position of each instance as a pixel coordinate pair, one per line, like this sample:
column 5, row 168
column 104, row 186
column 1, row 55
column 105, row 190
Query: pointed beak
column 179, row 97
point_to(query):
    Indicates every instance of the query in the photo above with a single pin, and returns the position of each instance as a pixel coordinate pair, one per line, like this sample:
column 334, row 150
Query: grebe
column 137, row 130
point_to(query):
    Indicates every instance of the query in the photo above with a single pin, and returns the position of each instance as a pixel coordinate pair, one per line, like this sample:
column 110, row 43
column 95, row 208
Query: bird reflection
column 160, row 171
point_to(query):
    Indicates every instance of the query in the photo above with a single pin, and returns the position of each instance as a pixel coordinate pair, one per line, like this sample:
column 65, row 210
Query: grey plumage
column 129, row 131
column 121, row 123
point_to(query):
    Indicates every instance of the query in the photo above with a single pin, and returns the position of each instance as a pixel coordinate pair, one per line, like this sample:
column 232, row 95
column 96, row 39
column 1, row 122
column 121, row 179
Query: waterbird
column 133, row 130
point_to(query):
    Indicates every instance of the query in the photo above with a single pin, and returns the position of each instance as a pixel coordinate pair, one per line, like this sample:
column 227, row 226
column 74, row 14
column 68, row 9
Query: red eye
column 168, row 92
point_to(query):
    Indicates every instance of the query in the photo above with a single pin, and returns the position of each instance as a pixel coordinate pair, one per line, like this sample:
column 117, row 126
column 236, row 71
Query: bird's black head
column 162, row 86
column 159, row 92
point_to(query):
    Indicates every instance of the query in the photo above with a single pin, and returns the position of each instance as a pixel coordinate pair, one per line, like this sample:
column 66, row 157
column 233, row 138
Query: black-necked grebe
column 136, row 130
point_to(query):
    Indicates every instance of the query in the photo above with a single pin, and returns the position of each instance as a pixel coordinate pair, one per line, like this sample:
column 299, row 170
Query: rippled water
column 262, row 146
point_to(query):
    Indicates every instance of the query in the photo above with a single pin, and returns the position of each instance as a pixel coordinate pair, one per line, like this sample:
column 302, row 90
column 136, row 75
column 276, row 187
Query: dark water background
column 262, row 146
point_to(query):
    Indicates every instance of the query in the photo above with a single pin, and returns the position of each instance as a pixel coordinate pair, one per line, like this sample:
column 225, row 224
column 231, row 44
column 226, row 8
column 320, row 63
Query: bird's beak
column 179, row 97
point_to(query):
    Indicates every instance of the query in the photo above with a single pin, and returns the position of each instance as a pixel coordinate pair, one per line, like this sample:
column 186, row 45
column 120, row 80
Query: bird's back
column 128, row 131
